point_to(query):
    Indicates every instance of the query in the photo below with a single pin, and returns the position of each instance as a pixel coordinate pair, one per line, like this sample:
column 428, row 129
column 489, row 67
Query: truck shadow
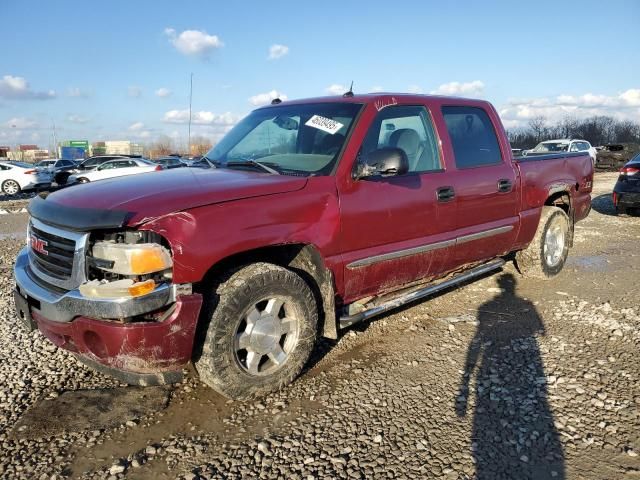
column 513, row 435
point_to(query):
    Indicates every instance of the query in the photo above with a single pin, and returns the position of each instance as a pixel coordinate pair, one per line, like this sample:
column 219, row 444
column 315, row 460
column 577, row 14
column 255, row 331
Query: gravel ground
column 502, row 378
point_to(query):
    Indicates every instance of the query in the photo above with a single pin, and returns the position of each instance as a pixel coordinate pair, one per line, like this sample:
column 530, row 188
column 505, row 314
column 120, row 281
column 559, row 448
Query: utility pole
column 55, row 139
column 190, row 98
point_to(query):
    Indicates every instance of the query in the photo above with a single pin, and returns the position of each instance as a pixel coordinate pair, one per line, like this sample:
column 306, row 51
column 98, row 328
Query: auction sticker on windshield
column 325, row 124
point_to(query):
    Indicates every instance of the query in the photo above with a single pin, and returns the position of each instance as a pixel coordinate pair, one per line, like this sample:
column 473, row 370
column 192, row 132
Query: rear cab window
column 473, row 137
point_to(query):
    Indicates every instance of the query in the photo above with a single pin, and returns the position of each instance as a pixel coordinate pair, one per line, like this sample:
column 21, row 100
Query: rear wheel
column 83, row 180
column 261, row 331
column 547, row 253
column 10, row 187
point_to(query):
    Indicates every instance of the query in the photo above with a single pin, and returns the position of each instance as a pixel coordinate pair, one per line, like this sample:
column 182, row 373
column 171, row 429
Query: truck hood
column 134, row 199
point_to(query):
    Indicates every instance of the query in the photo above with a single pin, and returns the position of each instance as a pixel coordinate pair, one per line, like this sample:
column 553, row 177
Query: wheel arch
column 560, row 196
column 305, row 260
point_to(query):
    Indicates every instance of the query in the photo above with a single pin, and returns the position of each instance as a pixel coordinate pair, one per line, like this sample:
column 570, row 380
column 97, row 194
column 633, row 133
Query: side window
column 410, row 129
column 473, row 137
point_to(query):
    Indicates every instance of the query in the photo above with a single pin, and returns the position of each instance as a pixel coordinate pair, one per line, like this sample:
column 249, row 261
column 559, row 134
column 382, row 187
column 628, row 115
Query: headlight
column 132, row 259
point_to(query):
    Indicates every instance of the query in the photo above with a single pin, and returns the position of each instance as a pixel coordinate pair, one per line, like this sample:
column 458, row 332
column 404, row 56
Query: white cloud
column 17, row 88
column 376, row 89
column 134, row 92
column 194, row 42
column 78, row 93
column 336, row 89
column 77, row 119
column 20, row 123
column 459, row 89
column 200, row 118
column 137, row 126
column 623, row 106
column 163, row 92
column 277, row 51
column 416, row 89
column 264, row 98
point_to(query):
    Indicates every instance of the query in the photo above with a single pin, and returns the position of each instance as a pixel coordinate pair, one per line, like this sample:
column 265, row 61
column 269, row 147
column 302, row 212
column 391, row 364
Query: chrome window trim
column 78, row 268
column 428, row 247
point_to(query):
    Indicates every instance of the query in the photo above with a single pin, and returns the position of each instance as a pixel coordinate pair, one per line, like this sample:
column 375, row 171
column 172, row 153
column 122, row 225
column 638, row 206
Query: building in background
column 122, row 147
column 28, row 153
column 4, row 151
column 98, row 148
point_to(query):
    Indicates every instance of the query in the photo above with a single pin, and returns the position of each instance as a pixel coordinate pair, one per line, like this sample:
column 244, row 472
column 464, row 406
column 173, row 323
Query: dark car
column 626, row 193
column 169, row 163
column 615, row 155
column 88, row 164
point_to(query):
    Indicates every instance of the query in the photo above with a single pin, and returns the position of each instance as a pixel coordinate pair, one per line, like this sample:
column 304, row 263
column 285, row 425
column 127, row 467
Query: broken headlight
column 131, row 259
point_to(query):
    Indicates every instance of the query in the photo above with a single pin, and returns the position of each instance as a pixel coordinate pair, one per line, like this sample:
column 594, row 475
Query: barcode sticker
column 324, row 124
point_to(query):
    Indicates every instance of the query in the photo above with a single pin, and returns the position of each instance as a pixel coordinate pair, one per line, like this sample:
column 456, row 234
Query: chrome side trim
column 401, row 253
column 429, row 247
column 484, row 234
column 348, row 320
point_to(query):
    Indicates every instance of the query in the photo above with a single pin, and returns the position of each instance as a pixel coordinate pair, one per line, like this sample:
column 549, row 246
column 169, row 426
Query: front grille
column 58, row 259
column 57, row 256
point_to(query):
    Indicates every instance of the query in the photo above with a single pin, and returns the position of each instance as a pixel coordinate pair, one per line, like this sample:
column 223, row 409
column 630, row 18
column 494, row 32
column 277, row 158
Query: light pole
column 190, row 98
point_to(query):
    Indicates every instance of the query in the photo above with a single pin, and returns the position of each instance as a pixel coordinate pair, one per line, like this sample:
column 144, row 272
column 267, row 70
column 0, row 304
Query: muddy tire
column 545, row 256
column 262, row 328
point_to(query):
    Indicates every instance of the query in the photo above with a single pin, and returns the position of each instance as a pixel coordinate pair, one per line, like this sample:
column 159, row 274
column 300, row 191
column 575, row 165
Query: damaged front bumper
column 96, row 330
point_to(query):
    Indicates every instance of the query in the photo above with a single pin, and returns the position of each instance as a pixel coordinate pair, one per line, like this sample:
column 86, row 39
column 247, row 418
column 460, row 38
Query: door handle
column 445, row 194
column 504, row 185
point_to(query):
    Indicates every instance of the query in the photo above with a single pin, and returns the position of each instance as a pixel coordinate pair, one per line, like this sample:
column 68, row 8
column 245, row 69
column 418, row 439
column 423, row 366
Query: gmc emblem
column 38, row 245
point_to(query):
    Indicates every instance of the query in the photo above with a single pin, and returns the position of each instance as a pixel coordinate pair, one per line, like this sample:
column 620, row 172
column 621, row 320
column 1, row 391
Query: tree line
column 598, row 130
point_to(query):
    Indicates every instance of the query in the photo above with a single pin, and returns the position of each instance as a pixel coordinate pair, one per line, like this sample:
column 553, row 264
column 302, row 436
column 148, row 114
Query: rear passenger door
column 485, row 186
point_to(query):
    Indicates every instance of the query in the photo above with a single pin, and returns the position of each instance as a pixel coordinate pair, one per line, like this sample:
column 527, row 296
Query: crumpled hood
column 154, row 194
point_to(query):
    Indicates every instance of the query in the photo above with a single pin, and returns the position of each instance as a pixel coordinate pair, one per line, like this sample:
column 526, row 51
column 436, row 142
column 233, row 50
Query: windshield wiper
column 253, row 163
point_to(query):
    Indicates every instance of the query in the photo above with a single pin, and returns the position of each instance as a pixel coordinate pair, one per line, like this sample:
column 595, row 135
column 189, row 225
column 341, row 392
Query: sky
column 120, row 70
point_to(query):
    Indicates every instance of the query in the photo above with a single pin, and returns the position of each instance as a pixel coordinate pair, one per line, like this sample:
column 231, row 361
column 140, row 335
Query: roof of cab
column 371, row 98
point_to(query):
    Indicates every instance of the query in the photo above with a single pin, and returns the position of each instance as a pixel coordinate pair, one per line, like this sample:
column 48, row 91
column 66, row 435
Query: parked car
column 615, row 155
column 314, row 219
column 169, row 163
column 115, row 168
column 56, row 165
column 16, row 177
column 563, row 145
column 90, row 163
column 626, row 193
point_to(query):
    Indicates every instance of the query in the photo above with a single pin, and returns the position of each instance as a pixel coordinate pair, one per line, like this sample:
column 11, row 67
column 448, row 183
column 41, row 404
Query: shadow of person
column 514, row 436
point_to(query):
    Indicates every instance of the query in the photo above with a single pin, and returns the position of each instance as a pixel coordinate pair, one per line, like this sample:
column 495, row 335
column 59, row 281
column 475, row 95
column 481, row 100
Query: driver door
column 394, row 230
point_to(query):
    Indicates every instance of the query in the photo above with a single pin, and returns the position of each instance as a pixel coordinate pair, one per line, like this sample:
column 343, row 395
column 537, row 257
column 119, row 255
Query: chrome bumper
column 64, row 307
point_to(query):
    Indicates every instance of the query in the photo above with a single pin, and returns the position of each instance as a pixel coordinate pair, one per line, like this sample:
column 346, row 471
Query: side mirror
column 384, row 162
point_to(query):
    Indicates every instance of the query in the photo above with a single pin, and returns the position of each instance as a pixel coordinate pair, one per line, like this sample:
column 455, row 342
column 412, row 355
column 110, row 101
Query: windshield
column 294, row 139
column 45, row 163
column 551, row 147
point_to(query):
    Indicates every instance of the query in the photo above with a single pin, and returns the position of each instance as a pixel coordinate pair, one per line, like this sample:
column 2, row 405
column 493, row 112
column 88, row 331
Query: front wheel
column 547, row 253
column 261, row 330
column 83, row 180
column 10, row 187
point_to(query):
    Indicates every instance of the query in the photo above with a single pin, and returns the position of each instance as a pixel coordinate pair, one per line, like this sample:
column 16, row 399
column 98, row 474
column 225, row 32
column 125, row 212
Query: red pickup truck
column 319, row 213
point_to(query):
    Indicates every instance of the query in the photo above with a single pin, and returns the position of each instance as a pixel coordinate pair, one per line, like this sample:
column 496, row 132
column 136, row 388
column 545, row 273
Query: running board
column 348, row 320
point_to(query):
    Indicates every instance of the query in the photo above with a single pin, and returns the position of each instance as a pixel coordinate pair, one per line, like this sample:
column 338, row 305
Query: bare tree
column 200, row 145
column 539, row 127
column 162, row 146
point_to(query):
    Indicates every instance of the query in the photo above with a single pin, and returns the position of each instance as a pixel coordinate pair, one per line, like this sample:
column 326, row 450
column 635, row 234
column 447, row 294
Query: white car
column 563, row 145
column 115, row 168
column 16, row 177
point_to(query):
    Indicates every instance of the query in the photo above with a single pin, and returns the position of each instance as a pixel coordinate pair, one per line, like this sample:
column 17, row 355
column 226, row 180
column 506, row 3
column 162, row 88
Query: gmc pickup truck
column 320, row 213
